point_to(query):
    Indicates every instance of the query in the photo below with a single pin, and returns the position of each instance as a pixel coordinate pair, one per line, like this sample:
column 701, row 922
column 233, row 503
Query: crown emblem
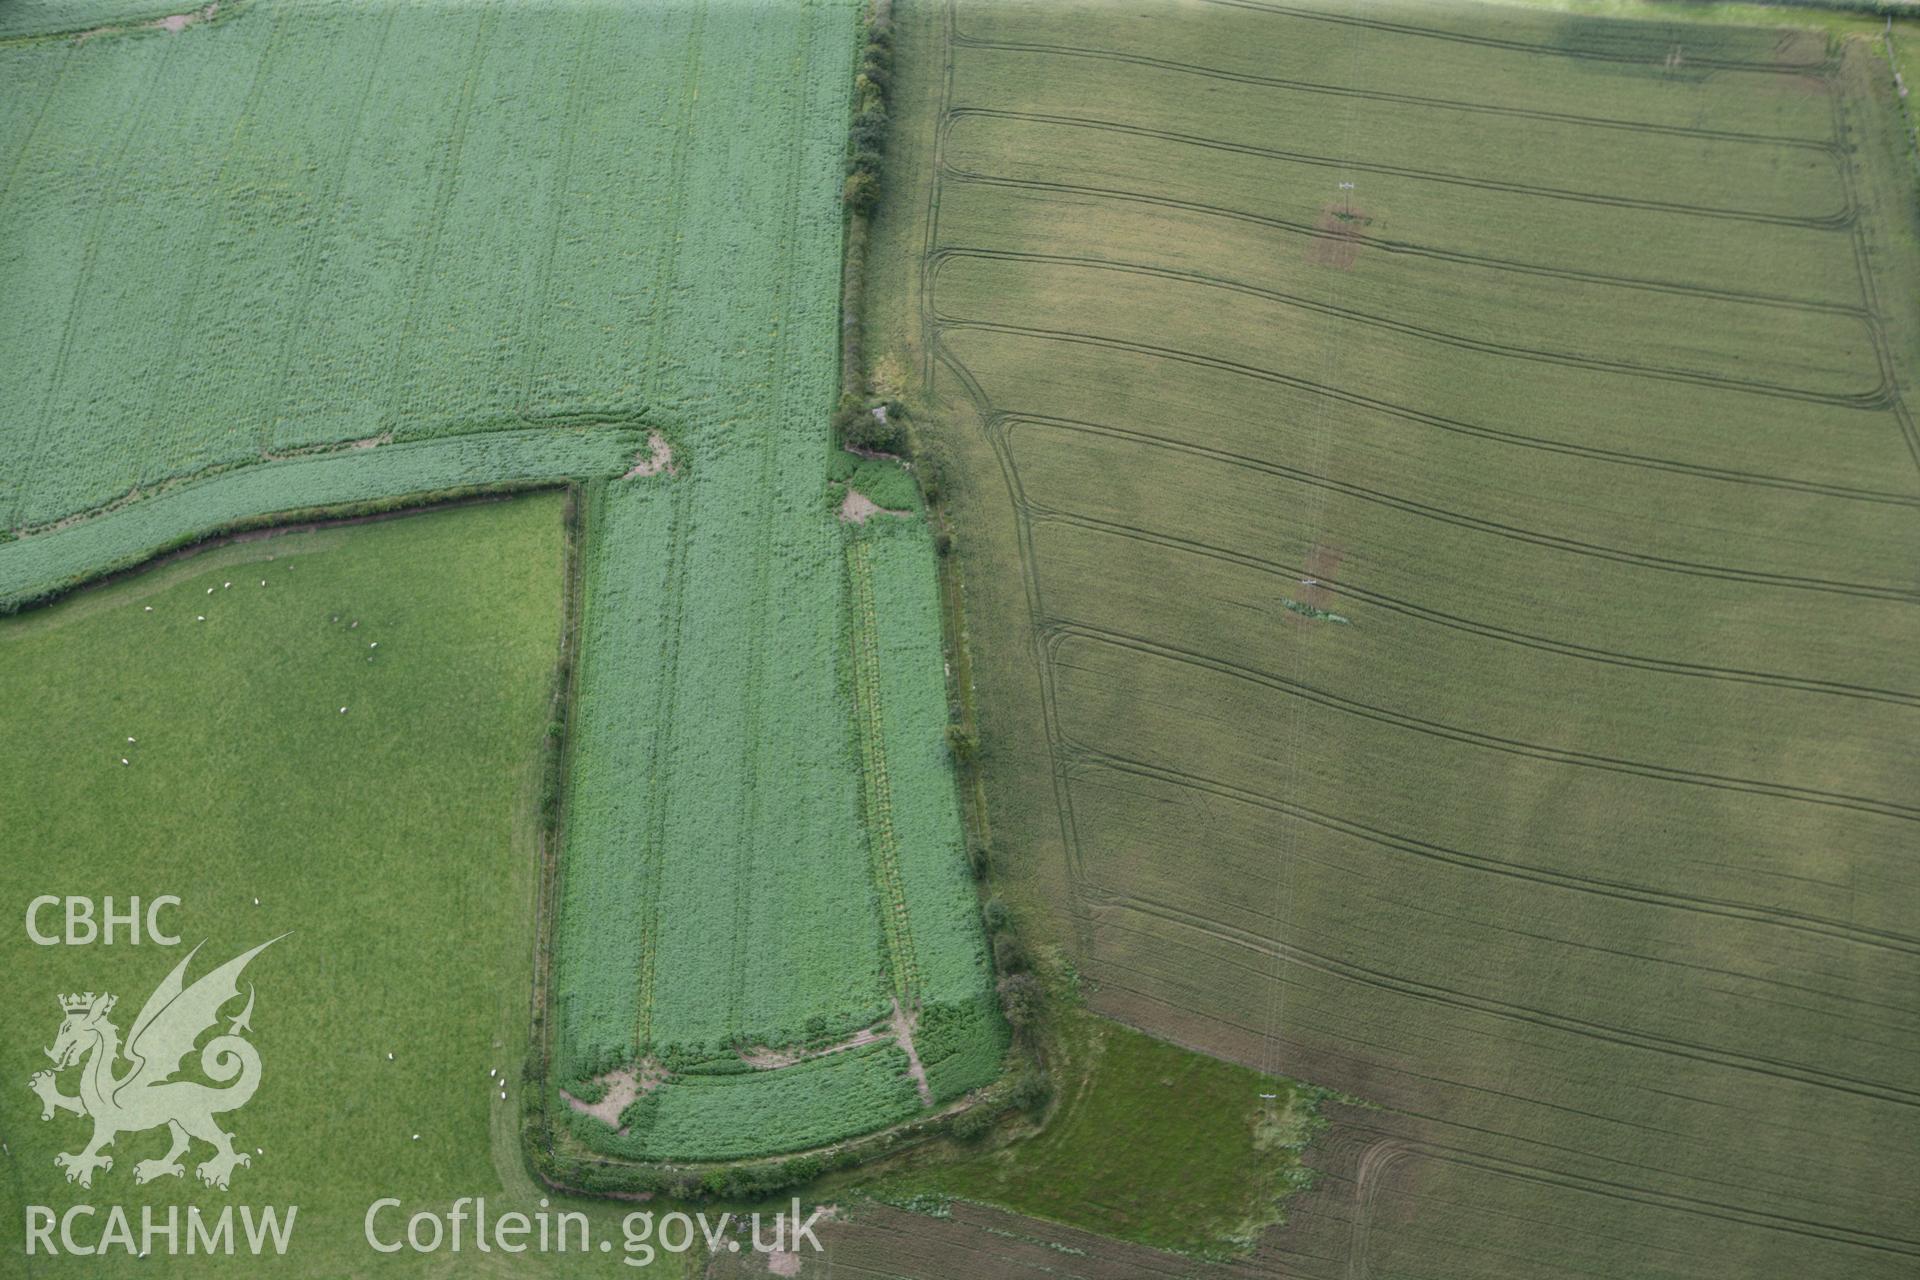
column 77, row 1003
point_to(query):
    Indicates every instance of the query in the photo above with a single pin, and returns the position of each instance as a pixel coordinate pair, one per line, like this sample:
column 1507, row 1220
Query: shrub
column 965, row 747
column 860, row 428
column 979, row 857
column 1020, row 997
column 973, row 1125
column 1030, row 1090
column 861, row 192
column 801, row 1169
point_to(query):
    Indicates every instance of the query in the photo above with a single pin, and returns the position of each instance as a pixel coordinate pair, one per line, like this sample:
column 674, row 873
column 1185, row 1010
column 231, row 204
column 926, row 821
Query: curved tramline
column 1459, row 465
column 881, row 837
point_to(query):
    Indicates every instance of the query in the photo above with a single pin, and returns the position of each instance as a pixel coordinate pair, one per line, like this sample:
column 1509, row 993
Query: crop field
column 1460, row 473
column 833, row 893
column 411, row 910
column 287, row 254
column 217, row 234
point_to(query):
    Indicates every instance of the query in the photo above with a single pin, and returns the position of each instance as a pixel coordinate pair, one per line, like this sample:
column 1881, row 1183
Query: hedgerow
column 42, row 564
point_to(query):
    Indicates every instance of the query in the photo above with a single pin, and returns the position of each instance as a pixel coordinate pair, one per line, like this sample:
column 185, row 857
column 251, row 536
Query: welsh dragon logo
column 145, row 1095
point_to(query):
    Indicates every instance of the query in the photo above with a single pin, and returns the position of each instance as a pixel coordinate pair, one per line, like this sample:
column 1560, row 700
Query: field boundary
column 40, row 566
column 270, row 524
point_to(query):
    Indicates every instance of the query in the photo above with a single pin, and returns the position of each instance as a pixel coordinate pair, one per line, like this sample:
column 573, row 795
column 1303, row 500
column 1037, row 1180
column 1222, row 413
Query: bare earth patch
column 1323, row 562
column 1341, row 230
column 623, row 1086
column 902, row 1027
column 659, row 458
column 314, row 450
column 761, row 1058
column 857, row 508
column 178, row 22
column 898, row 1028
column 173, row 23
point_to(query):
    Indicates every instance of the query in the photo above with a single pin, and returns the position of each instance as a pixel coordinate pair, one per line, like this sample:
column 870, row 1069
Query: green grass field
column 1566, row 358
column 1153, row 1143
column 393, row 845
column 302, row 253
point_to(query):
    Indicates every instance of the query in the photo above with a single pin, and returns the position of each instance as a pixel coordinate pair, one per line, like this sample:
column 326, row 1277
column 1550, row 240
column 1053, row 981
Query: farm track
column 1339, row 587
column 934, row 356
column 755, row 764
column 1086, row 758
column 1664, row 564
column 660, row 748
column 75, row 307
column 397, row 390
column 304, row 271
column 1863, row 277
column 1398, row 99
column 1826, row 221
column 652, row 851
column 1641, row 1195
column 1060, row 634
column 534, row 344
column 33, row 131
column 1408, row 248
column 668, row 256
column 1419, row 417
column 164, row 385
column 1776, row 1068
column 1879, row 397
column 883, row 843
column 1519, row 46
